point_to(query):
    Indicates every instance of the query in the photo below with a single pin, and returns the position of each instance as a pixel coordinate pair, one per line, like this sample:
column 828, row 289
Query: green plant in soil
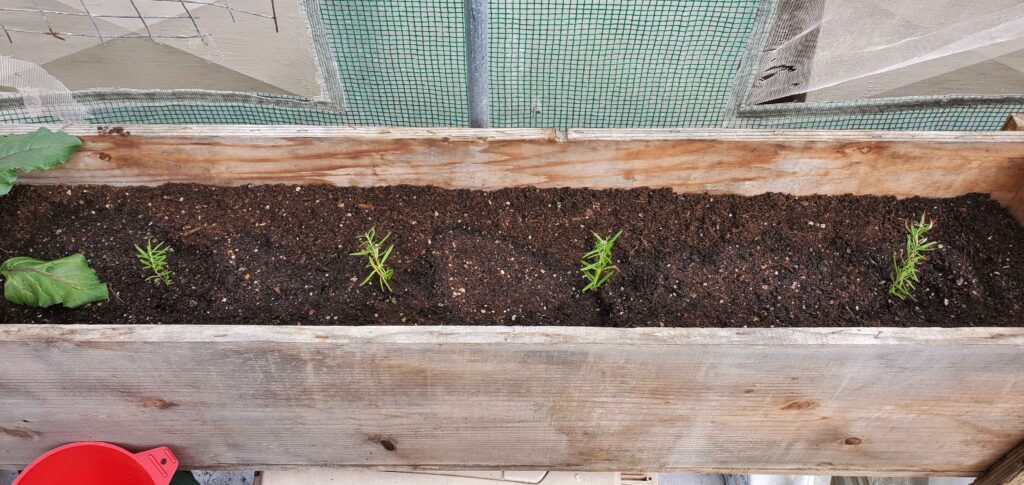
column 597, row 265
column 154, row 259
column 41, row 150
column 904, row 264
column 376, row 258
column 68, row 281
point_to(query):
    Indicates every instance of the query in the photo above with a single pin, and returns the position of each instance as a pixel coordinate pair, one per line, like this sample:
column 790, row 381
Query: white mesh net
column 825, row 43
column 43, row 95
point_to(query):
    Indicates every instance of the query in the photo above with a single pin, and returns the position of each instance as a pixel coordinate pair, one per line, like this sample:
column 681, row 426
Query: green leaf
column 38, row 283
column 41, row 150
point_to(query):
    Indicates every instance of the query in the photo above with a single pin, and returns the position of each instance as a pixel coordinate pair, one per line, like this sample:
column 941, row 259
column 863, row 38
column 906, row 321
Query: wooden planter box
column 871, row 401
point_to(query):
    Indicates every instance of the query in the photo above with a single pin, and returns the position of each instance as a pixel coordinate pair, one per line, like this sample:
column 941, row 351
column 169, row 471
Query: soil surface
column 280, row 255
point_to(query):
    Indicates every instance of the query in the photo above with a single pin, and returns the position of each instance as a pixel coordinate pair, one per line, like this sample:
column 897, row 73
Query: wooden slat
column 1009, row 470
column 879, row 401
column 290, row 131
column 1014, row 123
column 1016, row 204
column 747, row 162
column 626, row 134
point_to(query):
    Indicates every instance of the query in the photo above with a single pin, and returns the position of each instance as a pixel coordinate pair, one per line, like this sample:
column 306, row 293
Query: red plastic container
column 95, row 463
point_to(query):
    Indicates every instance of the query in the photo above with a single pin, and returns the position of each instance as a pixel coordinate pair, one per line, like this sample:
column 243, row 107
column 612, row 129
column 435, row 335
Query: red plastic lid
column 95, row 463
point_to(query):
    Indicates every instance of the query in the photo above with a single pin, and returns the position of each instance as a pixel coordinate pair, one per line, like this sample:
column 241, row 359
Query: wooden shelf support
column 1009, row 470
column 1014, row 123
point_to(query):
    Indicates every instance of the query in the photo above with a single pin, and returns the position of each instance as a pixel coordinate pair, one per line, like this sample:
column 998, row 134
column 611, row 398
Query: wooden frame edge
column 1009, row 470
column 724, row 134
column 654, row 336
column 1015, row 122
column 291, row 131
column 511, row 134
column 600, row 399
column 743, row 162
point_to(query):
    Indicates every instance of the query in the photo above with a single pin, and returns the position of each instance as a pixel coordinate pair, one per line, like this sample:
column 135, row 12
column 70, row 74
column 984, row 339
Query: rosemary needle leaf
column 596, row 264
column 904, row 265
column 375, row 258
column 154, row 259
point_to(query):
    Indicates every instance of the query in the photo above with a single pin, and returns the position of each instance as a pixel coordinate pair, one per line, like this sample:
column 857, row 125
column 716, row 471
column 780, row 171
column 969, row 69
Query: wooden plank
column 311, row 131
column 1009, row 470
column 879, row 401
column 1014, row 123
column 743, row 162
column 1016, row 204
column 290, row 131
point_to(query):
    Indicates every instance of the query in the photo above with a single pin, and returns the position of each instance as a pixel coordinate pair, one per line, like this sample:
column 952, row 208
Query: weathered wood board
column 747, row 162
column 1009, row 470
column 826, row 400
column 1014, row 122
column 1016, row 205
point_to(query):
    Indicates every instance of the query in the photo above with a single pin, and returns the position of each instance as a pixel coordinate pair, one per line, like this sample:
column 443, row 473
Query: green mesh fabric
column 554, row 63
column 985, row 117
column 638, row 63
column 401, row 62
column 241, row 114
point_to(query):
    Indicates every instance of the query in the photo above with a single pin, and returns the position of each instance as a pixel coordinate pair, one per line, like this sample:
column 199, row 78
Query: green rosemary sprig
column 904, row 265
column 375, row 258
column 154, row 258
column 596, row 265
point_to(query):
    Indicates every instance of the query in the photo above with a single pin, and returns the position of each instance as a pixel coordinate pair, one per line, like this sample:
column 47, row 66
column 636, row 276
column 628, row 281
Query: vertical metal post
column 477, row 63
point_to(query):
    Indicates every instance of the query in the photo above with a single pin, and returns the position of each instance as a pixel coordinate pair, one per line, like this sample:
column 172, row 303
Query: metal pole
column 478, row 80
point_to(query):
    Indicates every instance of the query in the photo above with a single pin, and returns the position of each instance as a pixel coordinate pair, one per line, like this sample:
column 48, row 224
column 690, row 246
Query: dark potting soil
column 280, row 255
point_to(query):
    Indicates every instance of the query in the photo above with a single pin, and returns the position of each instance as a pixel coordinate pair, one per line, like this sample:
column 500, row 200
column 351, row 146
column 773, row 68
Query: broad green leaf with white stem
column 68, row 280
column 41, row 150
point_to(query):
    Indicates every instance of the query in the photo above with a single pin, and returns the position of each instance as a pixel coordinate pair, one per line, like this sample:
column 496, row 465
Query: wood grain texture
column 1014, row 123
column 879, row 401
column 1016, row 204
column 746, row 162
column 1009, row 470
